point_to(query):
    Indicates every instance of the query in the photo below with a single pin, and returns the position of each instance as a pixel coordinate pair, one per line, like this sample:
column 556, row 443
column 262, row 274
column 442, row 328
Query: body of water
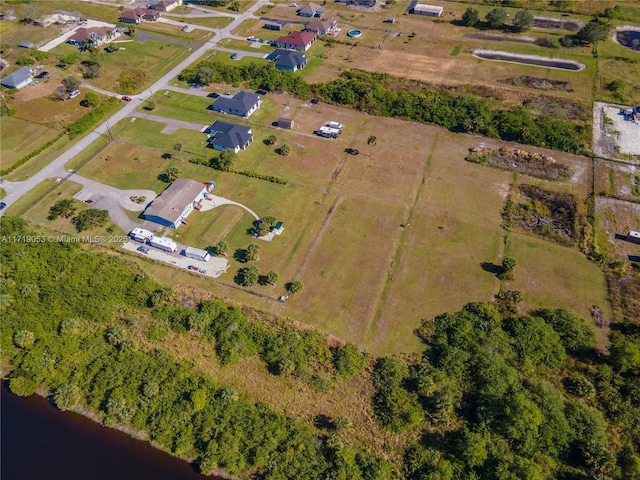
column 39, row 442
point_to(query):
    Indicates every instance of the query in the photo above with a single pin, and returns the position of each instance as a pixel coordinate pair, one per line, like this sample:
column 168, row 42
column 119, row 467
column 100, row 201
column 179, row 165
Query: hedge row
column 28, row 157
column 89, row 119
column 246, row 173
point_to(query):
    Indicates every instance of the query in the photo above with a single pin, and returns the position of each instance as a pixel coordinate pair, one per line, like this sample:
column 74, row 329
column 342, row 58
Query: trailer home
column 163, row 243
column 197, row 254
column 141, row 235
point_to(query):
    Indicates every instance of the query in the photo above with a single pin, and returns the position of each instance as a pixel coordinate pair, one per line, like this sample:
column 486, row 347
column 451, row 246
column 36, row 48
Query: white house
column 172, row 207
column 18, row 79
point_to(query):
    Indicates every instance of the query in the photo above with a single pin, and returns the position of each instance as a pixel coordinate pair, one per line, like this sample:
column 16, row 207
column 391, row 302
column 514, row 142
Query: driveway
column 171, row 125
column 15, row 190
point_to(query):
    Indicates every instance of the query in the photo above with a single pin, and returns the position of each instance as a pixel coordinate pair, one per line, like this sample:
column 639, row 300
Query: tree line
column 70, row 322
column 384, row 95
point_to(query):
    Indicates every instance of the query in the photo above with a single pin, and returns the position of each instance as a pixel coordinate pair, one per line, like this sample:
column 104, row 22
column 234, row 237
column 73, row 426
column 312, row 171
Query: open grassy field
column 175, row 32
column 19, row 137
column 153, row 57
column 380, row 241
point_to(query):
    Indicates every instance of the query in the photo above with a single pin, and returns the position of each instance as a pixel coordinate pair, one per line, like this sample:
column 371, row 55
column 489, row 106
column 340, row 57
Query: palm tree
column 372, row 142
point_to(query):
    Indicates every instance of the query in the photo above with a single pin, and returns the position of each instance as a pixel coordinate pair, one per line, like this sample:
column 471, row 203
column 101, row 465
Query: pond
column 533, row 60
column 629, row 38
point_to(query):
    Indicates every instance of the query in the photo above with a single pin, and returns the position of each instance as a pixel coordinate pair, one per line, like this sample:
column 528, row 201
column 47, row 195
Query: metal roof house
column 229, row 136
column 172, row 207
column 18, row 79
column 287, row 59
column 429, row 10
column 297, row 41
column 242, row 104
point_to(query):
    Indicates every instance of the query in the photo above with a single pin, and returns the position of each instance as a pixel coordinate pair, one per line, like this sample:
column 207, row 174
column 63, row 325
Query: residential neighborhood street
column 16, row 190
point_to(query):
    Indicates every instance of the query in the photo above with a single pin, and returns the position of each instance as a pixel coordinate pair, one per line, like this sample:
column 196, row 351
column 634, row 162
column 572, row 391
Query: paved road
column 15, row 190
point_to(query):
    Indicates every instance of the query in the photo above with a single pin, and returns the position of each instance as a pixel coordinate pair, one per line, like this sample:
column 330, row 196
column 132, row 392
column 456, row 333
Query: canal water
column 39, row 442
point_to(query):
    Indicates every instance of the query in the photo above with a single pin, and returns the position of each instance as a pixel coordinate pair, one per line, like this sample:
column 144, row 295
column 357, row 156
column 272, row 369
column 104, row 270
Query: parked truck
column 163, row 243
column 197, row 254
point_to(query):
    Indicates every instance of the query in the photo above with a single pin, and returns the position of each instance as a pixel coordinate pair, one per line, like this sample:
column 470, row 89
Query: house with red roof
column 297, row 41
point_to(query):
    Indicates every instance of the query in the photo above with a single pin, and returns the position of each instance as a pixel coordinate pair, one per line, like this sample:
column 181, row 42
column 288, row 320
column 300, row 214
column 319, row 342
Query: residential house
column 242, row 104
column 311, row 10
column 96, row 35
column 138, row 14
column 297, row 41
column 172, row 207
column 18, row 79
column 229, row 136
column 166, row 5
column 429, row 10
column 273, row 25
column 326, row 26
column 288, row 60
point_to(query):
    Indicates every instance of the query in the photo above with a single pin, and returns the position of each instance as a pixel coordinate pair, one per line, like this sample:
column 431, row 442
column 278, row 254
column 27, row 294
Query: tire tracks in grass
column 395, row 261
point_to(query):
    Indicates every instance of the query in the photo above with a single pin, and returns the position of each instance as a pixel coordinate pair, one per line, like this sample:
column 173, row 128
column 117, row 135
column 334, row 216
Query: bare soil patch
column 558, row 108
column 557, row 23
column 616, row 217
column 535, row 164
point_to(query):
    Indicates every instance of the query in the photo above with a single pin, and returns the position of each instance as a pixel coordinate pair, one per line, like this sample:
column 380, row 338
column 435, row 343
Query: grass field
column 19, row 137
column 380, row 241
column 154, row 57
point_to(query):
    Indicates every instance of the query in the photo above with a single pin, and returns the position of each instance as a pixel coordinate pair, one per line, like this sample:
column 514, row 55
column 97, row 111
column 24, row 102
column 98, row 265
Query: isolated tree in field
column 71, row 83
column 271, row 140
column 224, row 161
column 172, row 173
column 92, row 99
column 285, row 149
column 250, row 276
column 272, row 277
column 372, row 141
column 66, row 396
column 252, row 252
column 523, row 21
column 63, row 208
column 341, row 423
column 222, row 247
column 91, row 218
column 593, row 32
column 60, row 92
column 508, row 265
column 496, row 18
column 470, row 17
column 24, row 338
column 235, row 6
column 178, row 148
column 295, row 287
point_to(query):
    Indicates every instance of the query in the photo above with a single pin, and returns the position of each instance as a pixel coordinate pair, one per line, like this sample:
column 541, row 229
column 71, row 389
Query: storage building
column 633, row 237
column 285, row 123
column 429, row 10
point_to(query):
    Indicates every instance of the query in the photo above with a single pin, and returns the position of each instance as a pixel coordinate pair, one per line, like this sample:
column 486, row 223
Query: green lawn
column 19, row 138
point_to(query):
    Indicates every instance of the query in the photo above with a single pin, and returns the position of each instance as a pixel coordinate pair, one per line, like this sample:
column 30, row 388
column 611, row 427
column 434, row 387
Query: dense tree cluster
column 380, row 94
column 509, row 403
column 69, row 323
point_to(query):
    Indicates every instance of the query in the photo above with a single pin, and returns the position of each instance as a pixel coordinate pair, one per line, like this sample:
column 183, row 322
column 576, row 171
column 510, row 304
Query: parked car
column 192, row 267
column 261, row 92
column 89, row 201
column 143, row 249
column 213, row 95
column 127, row 98
column 61, row 65
column 3, row 205
column 234, row 56
column 314, row 101
column 73, row 94
column 227, row 93
column 42, row 75
column 185, row 28
column 293, row 5
column 202, row 270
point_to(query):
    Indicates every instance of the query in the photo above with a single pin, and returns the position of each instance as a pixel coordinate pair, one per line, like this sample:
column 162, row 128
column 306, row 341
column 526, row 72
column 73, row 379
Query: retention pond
column 533, row 60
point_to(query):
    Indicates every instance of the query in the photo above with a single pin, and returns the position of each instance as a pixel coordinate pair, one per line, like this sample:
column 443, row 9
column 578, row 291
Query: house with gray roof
column 229, row 136
column 172, row 207
column 242, row 104
column 288, row 59
column 18, row 79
